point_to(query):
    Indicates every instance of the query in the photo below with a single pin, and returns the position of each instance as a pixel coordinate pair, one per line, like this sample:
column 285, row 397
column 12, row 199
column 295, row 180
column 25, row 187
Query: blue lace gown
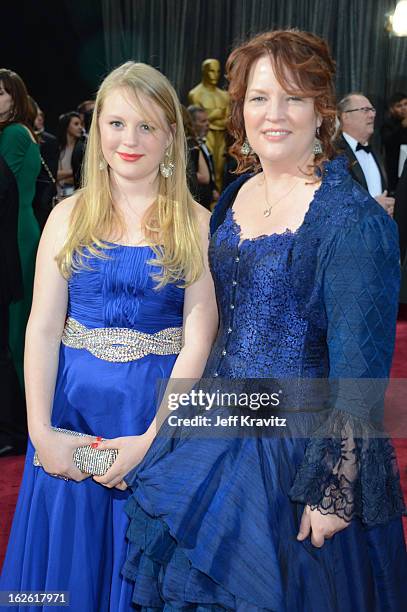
column 69, row 536
column 214, row 519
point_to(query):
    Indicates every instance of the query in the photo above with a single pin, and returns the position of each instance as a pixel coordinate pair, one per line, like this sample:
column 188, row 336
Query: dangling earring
column 246, row 148
column 102, row 164
column 317, row 149
column 167, row 166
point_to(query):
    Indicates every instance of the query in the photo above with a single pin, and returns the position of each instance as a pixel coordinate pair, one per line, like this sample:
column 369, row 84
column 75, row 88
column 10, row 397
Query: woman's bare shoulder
column 203, row 215
column 57, row 226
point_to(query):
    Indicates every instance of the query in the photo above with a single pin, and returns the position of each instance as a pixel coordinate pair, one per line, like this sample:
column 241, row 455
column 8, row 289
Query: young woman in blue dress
column 123, row 298
column 306, row 272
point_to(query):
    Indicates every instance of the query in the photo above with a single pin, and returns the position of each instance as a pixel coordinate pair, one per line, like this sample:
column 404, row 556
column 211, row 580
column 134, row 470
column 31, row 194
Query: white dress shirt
column 369, row 167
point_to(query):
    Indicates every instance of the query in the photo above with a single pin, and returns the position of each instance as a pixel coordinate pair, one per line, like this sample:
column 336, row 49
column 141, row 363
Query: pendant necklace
column 267, row 210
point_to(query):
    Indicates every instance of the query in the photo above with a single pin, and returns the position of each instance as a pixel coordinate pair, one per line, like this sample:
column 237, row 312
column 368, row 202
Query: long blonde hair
column 170, row 225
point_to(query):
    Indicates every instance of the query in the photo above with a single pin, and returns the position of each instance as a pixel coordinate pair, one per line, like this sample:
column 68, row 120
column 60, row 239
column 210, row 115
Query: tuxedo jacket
column 393, row 136
column 209, row 162
column 343, row 148
column 205, row 192
column 400, row 212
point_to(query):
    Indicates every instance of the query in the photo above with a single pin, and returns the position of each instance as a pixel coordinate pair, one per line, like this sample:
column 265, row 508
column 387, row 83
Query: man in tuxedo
column 394, row 134
column 207, row 193
column 356, row 117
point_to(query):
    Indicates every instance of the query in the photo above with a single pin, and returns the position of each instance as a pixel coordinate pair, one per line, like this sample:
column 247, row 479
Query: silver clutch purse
column 87, row 459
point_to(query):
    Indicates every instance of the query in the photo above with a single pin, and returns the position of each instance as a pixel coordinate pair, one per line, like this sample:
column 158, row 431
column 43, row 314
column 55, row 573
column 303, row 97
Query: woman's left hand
column 321, row 526
column 131, row 452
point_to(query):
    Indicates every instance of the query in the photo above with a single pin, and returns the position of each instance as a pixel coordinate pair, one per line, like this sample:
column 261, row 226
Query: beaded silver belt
column 120, row 343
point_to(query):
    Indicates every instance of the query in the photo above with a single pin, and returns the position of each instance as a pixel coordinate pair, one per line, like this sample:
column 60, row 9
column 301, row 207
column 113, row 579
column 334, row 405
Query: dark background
column 57, row 47
column 63, row 48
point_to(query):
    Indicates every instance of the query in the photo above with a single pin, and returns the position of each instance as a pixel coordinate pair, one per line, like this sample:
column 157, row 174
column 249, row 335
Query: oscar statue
column 215, row 101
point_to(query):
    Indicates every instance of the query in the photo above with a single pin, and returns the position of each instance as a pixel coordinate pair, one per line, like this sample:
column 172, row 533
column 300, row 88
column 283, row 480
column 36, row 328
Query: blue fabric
column 214, row 519
column 67, row 535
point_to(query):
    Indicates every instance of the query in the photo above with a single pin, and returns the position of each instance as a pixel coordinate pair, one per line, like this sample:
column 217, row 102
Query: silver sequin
column 120, row 344
column 87, row 459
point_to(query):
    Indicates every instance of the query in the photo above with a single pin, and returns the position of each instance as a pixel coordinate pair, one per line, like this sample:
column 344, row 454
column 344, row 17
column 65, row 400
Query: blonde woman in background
column 127, row 255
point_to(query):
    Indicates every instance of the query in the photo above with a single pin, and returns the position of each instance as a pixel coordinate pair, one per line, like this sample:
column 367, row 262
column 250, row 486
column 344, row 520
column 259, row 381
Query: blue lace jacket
column 330, row 310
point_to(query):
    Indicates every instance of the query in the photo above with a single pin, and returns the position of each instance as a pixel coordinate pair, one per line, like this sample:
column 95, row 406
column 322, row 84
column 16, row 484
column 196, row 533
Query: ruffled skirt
column 212, row 527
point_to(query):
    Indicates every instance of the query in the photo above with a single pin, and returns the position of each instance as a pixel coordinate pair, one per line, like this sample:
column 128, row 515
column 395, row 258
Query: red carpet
column 399, row 370
column 11, row 468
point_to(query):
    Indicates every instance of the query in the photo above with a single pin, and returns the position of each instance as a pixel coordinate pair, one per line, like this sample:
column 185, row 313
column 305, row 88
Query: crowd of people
column 294, row 278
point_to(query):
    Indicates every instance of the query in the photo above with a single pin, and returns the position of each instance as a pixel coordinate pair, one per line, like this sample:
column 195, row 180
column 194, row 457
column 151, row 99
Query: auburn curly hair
column 306, row 60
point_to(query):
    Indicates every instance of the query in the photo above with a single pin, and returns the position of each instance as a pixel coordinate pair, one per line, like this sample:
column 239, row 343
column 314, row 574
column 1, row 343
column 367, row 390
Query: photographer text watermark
column 207, row 401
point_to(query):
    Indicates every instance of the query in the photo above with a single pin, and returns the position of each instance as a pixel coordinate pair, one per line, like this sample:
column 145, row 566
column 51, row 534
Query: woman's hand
column 55, row 452
column 131, row 452
column 321, row 526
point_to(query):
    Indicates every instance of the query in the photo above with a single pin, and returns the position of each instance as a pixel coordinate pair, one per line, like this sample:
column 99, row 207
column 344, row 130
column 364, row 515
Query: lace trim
column 354, row 474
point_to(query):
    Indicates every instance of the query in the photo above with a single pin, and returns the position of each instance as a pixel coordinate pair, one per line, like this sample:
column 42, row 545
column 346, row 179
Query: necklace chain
column 267, row 210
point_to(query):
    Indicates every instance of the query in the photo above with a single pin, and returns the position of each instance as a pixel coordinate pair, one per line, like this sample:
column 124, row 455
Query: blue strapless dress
column 214, row 518
column 69, row 536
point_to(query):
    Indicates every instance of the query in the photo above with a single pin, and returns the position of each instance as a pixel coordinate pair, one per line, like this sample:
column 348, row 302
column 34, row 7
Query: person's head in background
column 33, row 110
column 398, row 105
column 200, row 120
column 357, row 116
column 14, row 103
column 85, row 110
column 69, row 129
column 189, row 128
column 39, row 122
column 38, row 118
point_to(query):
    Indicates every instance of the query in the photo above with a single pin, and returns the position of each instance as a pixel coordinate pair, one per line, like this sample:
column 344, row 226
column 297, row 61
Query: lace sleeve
column 349, row 468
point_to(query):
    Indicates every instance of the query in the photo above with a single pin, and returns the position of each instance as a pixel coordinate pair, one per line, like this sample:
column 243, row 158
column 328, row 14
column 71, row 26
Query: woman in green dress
column 19, row 149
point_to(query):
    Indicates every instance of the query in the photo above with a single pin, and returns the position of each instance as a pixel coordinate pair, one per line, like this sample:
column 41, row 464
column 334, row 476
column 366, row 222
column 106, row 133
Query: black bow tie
column 361, row 147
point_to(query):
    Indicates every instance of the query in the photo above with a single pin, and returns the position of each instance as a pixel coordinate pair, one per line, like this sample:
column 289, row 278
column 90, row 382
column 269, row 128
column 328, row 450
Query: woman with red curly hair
column 299, row 509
